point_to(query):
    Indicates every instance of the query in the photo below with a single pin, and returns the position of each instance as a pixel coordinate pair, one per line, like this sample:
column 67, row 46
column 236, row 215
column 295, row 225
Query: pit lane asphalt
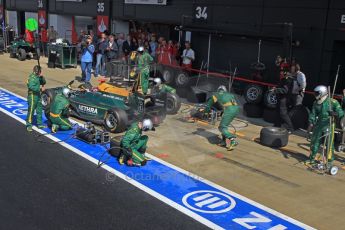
column 46, row 186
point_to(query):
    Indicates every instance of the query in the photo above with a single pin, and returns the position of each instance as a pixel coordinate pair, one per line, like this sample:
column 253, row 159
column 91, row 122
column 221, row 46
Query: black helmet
column 37, row 70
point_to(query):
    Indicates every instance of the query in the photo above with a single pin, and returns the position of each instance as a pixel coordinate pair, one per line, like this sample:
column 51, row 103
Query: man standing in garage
column 299, row 84
column 144, row 63
column 231, row 109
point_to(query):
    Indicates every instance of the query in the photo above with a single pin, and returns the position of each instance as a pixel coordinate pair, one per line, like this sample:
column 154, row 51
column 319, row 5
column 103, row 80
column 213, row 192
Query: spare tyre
column 253, row 94
column 299, row 117
column 252, row 110
column 168, row 75
column 274, row 137
column 270, row 99
column 182, row 79
column 271, row 116
column 47, row 98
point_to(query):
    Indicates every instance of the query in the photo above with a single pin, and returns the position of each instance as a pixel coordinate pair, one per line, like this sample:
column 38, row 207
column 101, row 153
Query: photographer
column 86, row 58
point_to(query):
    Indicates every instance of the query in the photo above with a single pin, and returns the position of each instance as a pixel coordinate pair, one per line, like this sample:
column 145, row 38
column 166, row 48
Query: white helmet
column 222, row 88
column 66, row 92
column 141, row 49
column 147, row 124
column 157, row 81
column 320, row 91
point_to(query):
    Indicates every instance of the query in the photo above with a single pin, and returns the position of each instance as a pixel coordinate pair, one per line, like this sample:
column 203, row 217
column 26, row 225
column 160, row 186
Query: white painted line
column 208, row 201
column 164, row 199
column 218, row 204
column 203, row 197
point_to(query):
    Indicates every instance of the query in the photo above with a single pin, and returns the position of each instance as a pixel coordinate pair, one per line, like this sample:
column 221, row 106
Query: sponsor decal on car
column 88, row 110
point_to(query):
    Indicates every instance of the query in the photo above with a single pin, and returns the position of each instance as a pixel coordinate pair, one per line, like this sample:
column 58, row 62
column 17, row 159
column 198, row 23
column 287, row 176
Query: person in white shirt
column 299, row 84
column 188, row 56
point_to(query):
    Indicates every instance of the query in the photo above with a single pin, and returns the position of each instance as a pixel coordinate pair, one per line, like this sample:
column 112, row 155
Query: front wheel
column 116, row 121
column 173, row 103
column 21, row 54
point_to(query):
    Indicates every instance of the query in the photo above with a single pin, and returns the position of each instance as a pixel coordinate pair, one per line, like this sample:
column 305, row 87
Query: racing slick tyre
column 46, row 98
column 115, row 146
column 173, row 103
column 299, row 117
column 168, row 75
column 271, row 116
column 252, row 110
column 21, row 54
column 182, row 79
column 253, row 94
column 274, row 137
column 270, row 99
column 116, row 121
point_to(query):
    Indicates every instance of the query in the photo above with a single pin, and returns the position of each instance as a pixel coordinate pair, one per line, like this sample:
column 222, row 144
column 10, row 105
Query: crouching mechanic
column 35, row 84
column 134, row 144
column 231, row 109
column 163, row 87
column 319, row 122
column 59, row 111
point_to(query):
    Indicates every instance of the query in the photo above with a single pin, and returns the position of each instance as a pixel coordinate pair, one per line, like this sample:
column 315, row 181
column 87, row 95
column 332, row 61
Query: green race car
column 113, row 111
column 22, row 50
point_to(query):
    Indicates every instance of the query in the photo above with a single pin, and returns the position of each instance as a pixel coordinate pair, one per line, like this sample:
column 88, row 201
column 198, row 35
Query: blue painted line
column 225, row 209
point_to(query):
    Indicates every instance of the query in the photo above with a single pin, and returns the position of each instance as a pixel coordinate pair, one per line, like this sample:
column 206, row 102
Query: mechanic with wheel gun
column 134, row 144
column 319, row 123
column 231, row 109
column 144, row 62
column 35, row 84
column 59, row 111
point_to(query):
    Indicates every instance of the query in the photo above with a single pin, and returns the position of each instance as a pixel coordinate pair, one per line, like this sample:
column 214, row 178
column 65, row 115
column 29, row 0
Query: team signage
column 210, row 204
column 146, row 2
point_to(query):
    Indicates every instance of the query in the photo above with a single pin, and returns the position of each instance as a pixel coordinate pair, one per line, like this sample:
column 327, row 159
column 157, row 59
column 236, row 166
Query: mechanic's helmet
column 141, row 49
column 320, row 91
column 66, row 92
column 147, row 124
column 157, row 81
column 37, row 69
column 221, row 88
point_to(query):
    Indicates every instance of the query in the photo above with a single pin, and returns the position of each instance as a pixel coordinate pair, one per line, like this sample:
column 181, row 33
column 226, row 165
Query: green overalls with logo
column 231, row 110
column 59, row 113
column 134, row 144
column 144, row 67
column 34, row 84
column 320, row 119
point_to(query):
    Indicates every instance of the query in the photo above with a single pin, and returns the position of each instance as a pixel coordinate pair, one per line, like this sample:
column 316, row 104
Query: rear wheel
column 47, row 98
column 21, row 54
column 116, row 121
column 173, row 103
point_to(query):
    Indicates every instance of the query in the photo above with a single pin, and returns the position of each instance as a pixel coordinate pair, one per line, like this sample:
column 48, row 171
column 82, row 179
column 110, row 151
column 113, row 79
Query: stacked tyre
column 253, row 95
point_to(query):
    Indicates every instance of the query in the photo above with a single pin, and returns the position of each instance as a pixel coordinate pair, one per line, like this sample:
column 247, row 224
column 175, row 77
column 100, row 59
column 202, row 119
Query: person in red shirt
column 44, row 41
column 172, row 53
column 29, row 36
column 163, row 53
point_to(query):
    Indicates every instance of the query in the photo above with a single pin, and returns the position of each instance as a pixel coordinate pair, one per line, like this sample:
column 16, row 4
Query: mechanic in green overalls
column 134, row 144
column 35, row 84
column 59, row 111
column 144, row 62
column 231, row 109
column 319, row 122
column 163, row 88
